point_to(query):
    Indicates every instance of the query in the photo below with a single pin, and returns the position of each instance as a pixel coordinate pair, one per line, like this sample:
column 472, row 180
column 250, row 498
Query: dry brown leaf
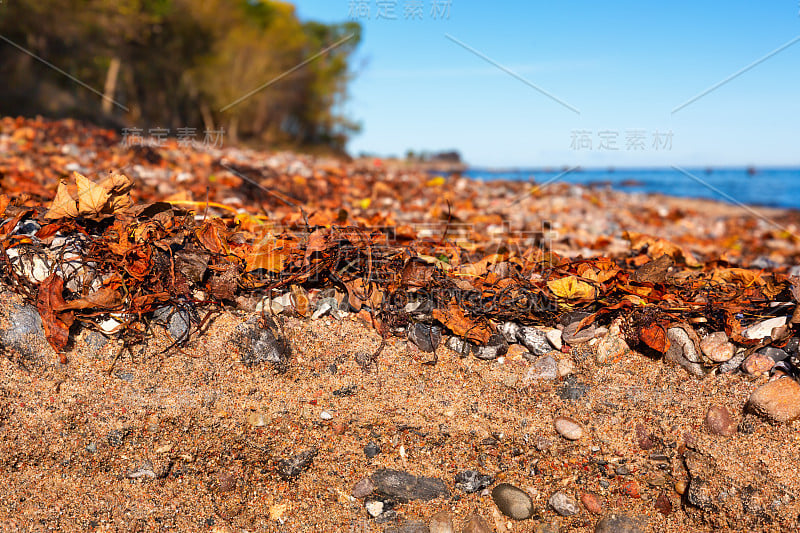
column 95, row 201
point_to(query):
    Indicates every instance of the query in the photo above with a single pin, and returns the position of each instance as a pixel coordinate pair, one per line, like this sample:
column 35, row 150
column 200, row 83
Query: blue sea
column 775, row 187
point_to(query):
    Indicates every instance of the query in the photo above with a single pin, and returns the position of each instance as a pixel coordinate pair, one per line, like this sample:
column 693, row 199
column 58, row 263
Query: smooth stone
column 592, row 502
column 720, row 422
column 568, row 428
column 777, row 400
column 563, row 504
column 374, row 508
column 512, row 501
column 544, row 368
column 363, row 488
column 776, row 354
column 535, row 340
column 683, row 352
column 757, row 363
column 472, row 481
column 459, row 345
column 571, row 335
column 441, row 522
column 177, row 320
column 406, row 487
column 716, row 347
column 476, row 524
column 619, row 523
column 565, row 367
column 764, row 328
column 554, row 336
column 610, row 349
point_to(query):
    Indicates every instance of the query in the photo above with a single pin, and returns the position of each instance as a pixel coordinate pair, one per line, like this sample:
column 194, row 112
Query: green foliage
column 182, row 63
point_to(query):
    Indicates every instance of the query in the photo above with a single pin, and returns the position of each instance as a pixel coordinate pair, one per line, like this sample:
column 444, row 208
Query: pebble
column 776, row 354
column 716, row 347
column 610, row 349
column 734, row 363
column 424, row 336
column 720, row 422
column 495, row 347
column 325, row 415
column 510, row 330
column 619, row 523
column 363, row 488
column 592, row 502
column 565, row 367
column 25, row 321
column 534, row 339
column 292, row 467
column 643, row 437
column 663, row 505
column 406, row 487
column 757, row 363
column 458, row 345
column 563, row 504
column 683, row 352
column 554, row 336
column 568, row 428
column 472, row 481
column 656, row 479
column 512, row 501
column 260, row 345
column 570, row 335
column 441, row 522
column 476, row 524
column 371, row 450
column 177, row 320
column 631, row 489
column 680, row 487
column 542, row 369
column 777, row 400
column 763, row 329
column 374, row 508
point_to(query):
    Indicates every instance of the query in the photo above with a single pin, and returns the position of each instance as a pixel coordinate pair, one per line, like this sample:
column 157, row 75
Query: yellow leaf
column 438, row 181
column 365, row 203
column 63, row 205
column 95, row 200
column 571, row 288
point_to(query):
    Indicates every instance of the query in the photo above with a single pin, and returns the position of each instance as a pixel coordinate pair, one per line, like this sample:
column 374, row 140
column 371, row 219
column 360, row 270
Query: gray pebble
column 619, row 523
column 424, row 336
column 535, row 340
column 406, row 487
column 494, row 348
column 776, row 354
column 544, row 368
column 441, row 522
column 261, row 345
column 371, row 450
column 177, row 320
column 733, row 364
column 512, row 501
column 472, row 481
column 683, row 352
column 563, row 504
column 571, row 335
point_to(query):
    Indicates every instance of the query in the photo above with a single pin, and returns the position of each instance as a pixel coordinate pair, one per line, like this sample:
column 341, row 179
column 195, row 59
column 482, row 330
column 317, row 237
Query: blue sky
column 625, row 66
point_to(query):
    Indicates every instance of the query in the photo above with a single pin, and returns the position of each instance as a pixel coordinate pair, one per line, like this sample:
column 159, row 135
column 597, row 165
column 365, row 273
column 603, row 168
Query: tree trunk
column 111, row 84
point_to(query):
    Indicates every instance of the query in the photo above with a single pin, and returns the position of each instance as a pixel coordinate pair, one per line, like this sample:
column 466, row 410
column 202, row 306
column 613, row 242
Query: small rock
column 406, row 487
column 565, row 367
column 363, row 488
column 734, row 363
column 619, row 523
column 325, row 415
column 472, row 481
column 554, row 336
column 571, row 335
column 476, row 524
column 459, row 345
column 568, row 428
column 622, row 470
column 777, row 400
column 542, row 369
column 764, row 328
column 563, row 504
column 656, row 479
column 610, row 349
column 257, row 419
column 631, row 488
column 260, row 345
column 663, row 505
column 683, row 352
column 719, row 421
column 643, row 437
column 717, row 348
column 441, row 522
column 177, row 320
column 534, row 339
column 25, row 322
column 290, row 468
column 592, row 502
column 510, row 330
column 425, row 336
column 757, row 363
column 512, row 501
column 374, row 508
column 680, row 487
column 371, row 450
column 776, row 354
column 117, row 436
column 495, row 347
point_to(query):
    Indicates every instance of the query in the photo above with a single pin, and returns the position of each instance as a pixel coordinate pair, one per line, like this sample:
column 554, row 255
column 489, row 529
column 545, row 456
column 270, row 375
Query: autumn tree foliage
column 242, row 66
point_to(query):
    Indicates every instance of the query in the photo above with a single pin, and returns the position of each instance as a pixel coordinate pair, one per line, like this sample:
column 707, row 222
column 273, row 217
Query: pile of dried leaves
column 107, row 254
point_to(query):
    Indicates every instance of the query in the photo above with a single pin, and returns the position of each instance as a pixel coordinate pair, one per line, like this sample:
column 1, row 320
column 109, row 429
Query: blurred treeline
column 177, row 63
